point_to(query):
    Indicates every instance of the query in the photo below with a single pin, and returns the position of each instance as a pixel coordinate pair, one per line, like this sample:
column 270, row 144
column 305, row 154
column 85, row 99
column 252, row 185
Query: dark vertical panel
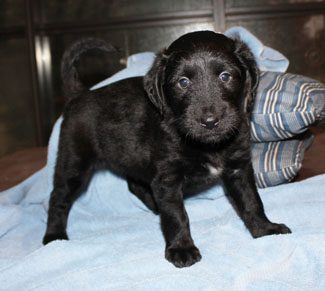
column 17, row 123
column 33, row 69
column 219, row 15
column 12, row 13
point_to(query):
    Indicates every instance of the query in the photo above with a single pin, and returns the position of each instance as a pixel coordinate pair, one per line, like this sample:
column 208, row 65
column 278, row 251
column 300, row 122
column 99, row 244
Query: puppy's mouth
column 211, row 131
column 209, row 123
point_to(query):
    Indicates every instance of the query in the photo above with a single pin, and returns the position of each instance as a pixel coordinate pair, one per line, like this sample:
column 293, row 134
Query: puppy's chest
column 213, row 170
column 209, row 166
column 214, row 165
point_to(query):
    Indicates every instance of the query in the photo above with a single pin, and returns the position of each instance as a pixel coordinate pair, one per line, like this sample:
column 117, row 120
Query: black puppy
column 175, row 131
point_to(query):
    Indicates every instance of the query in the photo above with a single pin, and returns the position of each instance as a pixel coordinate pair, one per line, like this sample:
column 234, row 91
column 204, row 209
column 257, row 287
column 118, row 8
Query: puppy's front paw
column 269, row 229
column 56, row 236
column 183, row 256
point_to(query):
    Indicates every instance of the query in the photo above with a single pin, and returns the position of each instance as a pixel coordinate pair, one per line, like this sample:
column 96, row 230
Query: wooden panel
column 157, row 38
column 254, row 3
column 12, row 13
column 102, row 10
column 300, row 38
column 17, row 121
column 17, row 167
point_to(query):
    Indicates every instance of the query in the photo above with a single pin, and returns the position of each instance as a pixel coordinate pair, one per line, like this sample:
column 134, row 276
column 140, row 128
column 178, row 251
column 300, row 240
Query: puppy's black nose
column 209, row 121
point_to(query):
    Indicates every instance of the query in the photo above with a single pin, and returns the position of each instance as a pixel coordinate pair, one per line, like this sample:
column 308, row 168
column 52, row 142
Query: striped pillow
column 278, row 162
column 285, row 105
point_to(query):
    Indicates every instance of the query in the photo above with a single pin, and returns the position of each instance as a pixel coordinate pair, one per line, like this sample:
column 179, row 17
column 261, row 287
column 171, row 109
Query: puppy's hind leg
column 72, row 176
column 144, row 193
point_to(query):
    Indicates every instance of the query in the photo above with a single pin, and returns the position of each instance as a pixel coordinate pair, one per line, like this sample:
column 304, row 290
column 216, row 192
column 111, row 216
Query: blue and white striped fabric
column 285, row 105
column 278, row 162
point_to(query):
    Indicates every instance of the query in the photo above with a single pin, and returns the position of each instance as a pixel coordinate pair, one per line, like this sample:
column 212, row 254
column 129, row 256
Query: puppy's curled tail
column 72, row 84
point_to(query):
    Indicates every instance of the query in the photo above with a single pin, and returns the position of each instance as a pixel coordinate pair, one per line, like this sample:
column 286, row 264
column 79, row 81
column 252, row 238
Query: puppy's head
column 205, row 81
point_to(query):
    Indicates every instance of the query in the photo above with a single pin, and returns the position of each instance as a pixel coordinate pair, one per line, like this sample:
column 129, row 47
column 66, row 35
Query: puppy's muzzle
column 209, row 121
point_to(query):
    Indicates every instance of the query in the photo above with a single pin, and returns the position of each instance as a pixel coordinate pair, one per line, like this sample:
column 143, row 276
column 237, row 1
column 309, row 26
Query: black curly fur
column 72, row 85
column 167, row 136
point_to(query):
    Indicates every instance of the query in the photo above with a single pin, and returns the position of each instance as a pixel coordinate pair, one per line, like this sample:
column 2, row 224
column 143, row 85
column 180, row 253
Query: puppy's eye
column 224, row 76
column 184, row 82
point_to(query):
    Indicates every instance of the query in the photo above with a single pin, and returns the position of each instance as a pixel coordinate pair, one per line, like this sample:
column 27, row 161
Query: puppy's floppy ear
column 154, row 81
column 247, row 59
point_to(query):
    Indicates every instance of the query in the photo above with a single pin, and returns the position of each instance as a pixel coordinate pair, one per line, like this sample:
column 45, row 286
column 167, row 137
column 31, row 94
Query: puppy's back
column 117, row 122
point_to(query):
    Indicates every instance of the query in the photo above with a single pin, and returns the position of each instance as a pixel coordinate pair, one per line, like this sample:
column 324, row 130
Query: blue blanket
column 116, row 243
column 267, row 59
